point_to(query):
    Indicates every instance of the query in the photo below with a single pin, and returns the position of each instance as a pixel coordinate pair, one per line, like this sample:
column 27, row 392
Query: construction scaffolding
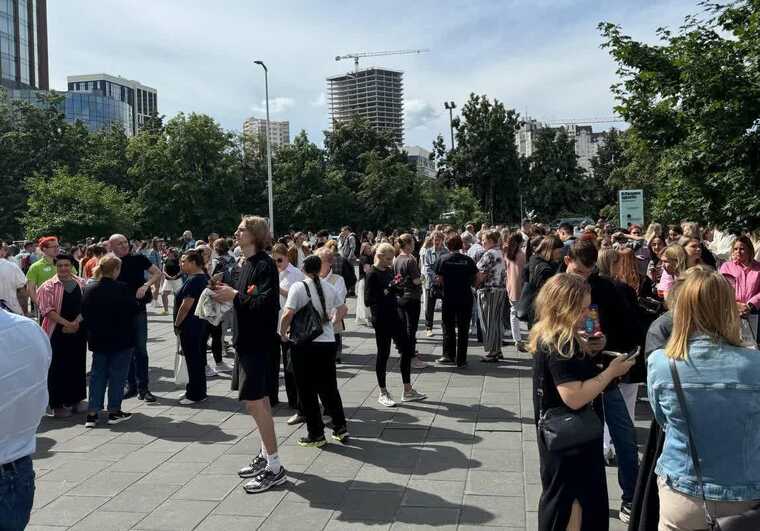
column 376, row 94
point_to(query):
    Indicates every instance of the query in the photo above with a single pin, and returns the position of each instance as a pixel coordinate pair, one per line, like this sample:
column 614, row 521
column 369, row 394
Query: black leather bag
column 525, row 311
column 565, row 430
column 307, row 323
column 746, row 521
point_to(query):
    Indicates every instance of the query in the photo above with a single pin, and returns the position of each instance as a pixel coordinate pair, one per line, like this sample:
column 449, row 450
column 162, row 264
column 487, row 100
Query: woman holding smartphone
column 574, row 486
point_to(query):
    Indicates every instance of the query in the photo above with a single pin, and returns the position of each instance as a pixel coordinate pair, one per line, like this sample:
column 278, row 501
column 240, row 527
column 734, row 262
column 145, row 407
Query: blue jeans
column 16, row 495
column 138, row 369
column 623, row 436
column 108, row 368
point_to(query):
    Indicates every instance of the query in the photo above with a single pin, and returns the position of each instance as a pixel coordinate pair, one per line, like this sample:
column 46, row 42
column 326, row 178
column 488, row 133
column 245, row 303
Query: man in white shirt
column 12, row 283
column 24, row 365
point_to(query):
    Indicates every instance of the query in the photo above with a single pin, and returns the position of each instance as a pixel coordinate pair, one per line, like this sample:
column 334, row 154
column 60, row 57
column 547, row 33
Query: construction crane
column 356, row 56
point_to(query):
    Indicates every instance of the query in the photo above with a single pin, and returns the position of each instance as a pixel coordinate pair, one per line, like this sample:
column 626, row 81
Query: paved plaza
column 465, row 458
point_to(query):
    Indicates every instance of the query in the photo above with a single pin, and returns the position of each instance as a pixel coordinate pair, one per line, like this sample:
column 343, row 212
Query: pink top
column 514, row 275
column 746, row 280
column 666, row 281
column 49, row 299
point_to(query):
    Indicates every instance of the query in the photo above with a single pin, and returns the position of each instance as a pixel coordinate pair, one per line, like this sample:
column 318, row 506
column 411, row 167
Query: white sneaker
column 412, row 396
column 188, row 402
column 417, row 363
column 223, row 367
column 210, row 371
column 386, row 400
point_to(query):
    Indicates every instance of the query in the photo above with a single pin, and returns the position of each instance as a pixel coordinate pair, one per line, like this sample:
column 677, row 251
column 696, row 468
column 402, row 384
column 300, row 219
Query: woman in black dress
column 574, row 485
column 60, row 302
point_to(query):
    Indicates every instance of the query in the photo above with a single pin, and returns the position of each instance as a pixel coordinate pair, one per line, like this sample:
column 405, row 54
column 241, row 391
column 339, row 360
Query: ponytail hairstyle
column 312, row 265
column 196, row 256
column 108, row 266
column 513, row 245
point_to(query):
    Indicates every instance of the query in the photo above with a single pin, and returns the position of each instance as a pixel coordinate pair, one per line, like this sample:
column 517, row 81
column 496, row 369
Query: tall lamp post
column 269, row 149
column 450, row 106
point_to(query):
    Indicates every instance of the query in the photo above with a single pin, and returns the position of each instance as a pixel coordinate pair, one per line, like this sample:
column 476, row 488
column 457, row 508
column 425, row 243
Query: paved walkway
column 465, row 458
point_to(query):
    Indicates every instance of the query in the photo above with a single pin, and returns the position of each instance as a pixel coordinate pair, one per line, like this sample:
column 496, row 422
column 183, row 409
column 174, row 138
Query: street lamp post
column 450, row 105
column 269, row 149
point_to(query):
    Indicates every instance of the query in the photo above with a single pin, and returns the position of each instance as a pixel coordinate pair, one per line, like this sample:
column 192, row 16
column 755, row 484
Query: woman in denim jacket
column 721, row 383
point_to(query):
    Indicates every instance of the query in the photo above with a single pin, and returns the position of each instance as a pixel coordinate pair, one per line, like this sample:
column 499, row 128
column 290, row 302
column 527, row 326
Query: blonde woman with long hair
column 380, row 294
column 565, row 373
column 719, row 378
column 673, row 264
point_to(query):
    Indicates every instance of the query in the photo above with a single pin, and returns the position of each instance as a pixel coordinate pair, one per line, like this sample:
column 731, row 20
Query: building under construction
column 376, row 94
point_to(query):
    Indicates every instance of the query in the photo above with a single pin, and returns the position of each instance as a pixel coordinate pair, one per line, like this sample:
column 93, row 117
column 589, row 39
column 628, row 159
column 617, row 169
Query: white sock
column 263, row 452
column 273, row 463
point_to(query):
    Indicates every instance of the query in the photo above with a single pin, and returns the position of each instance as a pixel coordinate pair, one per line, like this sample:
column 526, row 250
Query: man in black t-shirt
column 133, row 269
column 456, row 271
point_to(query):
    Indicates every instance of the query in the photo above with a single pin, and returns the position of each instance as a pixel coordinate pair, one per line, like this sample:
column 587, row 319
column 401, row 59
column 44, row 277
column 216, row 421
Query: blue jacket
column 721, row 384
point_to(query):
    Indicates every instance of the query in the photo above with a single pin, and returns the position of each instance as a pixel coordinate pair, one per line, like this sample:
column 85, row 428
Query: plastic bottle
column 591, row 324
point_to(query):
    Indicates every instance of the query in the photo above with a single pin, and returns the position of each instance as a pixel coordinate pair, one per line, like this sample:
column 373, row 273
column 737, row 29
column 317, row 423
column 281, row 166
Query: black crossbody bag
column 307, row 323
column 563, row 429
column 746, row 521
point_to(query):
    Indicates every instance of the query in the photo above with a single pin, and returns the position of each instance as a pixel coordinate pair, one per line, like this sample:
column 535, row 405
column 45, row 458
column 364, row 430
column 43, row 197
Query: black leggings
column 387, row 329
column 216, row 341
column 409, row 313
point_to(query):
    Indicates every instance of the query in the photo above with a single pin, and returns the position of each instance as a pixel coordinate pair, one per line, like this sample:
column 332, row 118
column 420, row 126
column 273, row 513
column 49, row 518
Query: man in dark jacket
column 620, row 335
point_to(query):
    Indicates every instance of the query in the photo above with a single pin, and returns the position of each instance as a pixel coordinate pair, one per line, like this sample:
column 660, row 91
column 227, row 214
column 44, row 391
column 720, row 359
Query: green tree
column 485, row 159
column 555, row 183
column 74, row 207
column 693, row 102
column 106, row 157
column 34, row 139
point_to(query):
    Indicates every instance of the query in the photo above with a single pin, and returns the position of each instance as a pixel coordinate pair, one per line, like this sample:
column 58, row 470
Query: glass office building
column 23, row 44
column 95, row 111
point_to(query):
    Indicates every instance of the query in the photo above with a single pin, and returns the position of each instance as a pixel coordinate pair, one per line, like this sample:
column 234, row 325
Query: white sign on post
column 631, row 203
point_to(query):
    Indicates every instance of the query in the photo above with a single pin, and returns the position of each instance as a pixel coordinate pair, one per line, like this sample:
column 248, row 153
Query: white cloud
column 419, row 113
column 276, row 105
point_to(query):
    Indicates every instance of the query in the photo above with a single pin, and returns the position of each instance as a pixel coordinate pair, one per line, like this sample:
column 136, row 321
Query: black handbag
column 307, row 323
column 565, row 430
column 524, row 307
column 746, row 521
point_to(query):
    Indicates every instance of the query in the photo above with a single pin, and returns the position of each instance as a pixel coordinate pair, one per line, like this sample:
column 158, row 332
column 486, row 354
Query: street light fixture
column 450, row 106
column 269, row 149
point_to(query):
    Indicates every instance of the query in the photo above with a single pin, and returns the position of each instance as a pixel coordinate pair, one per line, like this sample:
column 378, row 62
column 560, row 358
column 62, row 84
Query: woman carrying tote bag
column 312, row 302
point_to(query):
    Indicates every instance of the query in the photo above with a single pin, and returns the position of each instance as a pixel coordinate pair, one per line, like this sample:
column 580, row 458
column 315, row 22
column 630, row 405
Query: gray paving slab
column 465, row 458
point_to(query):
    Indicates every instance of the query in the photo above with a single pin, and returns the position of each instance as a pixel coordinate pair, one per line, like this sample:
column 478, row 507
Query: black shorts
column 254, row 369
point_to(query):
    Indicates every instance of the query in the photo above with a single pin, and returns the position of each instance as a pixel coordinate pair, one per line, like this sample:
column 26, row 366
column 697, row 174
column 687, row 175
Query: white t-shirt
column 290, row 276
column 11, row 280
column 339, row 284
column 298, row 298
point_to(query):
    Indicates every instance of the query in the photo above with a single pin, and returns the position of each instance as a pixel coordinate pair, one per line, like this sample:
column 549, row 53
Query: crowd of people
column 606, row 310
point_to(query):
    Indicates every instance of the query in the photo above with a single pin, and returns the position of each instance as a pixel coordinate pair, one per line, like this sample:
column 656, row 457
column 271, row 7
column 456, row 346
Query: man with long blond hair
column 256, row 300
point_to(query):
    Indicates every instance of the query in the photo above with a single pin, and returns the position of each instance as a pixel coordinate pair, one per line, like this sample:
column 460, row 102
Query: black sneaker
column 117, row 416
column 265, row 481
column 146, row 396
column 308, row 442
column 129, row 393
column 340, row 434
column 254, row 468
column 91, row 421
column 624, row 515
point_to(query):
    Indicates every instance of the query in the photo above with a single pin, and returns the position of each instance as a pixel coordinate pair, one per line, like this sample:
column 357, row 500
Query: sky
column 540, row 57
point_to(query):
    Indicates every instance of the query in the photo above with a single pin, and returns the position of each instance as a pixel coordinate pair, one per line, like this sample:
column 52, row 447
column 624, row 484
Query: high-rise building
column 23, row 44
column 585, row 140
column 419, row 158
column 142, row 99
column 256, row 128
column 376, row 94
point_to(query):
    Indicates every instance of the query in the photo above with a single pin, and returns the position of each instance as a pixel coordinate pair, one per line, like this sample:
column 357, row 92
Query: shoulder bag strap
column 692, row 446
